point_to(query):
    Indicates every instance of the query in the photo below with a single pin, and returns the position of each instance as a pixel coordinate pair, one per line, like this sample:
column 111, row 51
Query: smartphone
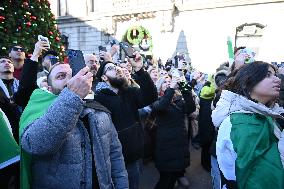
column 128, row 50
column 176, row 58
column 76, row 60
column 42, row 38
column 101, row 48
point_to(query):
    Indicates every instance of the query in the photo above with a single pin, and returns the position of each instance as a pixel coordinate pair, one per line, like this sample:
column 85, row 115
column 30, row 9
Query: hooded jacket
column 247, row 141
column 62, row 150
column 124, row 107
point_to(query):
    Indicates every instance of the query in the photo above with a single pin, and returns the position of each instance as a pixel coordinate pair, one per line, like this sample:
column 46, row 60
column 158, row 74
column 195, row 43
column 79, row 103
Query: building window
column 62, row 8
column 92, row 4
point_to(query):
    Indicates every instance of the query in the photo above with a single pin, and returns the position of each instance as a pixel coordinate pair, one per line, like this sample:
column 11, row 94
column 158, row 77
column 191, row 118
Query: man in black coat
column 123, row 102
column 8, row 86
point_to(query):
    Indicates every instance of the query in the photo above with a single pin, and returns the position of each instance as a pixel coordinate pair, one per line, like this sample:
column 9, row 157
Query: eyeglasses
column 93, row 62
column 18, row 48
column 109, row 68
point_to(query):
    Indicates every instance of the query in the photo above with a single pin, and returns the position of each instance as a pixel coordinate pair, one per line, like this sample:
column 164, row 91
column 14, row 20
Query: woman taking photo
column 248, row 149
column 172, row 145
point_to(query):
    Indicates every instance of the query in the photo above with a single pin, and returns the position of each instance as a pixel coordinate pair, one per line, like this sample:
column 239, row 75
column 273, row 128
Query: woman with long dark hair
column 247, row 147
column 172, row 145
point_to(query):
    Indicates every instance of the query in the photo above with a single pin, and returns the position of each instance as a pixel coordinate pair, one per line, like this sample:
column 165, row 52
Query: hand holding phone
column 129, row 51
column 136, row 61
column 101, row 53
column 105, row 56
column 45, row 39
column 39, row 47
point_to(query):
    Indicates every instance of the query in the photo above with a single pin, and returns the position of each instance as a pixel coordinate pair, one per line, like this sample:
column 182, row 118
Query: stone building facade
column 197, row 28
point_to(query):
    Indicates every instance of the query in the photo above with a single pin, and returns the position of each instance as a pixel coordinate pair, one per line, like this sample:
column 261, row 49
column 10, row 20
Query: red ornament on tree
column 19, row 28
column 28, row 24
column 33, row 17
column 26, row 4
column 50, row 33
column 57, row 39
column 2, row 18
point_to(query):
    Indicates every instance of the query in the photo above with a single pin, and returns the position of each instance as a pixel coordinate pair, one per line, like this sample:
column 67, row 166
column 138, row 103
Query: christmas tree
column 22, row 21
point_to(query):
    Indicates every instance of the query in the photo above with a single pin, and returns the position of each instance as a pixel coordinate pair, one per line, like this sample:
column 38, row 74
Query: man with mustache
column 67, row 141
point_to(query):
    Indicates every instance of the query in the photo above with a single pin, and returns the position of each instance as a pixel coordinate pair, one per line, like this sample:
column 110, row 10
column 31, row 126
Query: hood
column 102, row 85
column 220, row 77
column 231, row 102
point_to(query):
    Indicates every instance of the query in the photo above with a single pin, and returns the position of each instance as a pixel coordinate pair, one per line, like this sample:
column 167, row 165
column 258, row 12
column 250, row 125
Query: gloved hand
column 281, row 147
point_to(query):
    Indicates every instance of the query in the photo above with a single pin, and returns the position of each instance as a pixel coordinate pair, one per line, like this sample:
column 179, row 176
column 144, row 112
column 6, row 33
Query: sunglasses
column 109, row 68
column 18, row 48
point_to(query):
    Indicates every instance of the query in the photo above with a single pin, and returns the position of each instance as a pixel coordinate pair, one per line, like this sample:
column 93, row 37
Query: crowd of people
column 98, row 127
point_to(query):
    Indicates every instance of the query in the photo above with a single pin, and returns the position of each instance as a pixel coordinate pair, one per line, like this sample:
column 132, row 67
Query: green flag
column 230, row 50
column 39, row 103
column 10, row 151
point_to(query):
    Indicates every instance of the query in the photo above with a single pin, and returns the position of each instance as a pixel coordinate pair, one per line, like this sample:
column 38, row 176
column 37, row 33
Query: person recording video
column 123, row 101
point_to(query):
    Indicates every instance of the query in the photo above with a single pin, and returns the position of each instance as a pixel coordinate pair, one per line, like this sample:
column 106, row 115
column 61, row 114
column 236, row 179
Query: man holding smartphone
column 123, row 102
column 85, row 127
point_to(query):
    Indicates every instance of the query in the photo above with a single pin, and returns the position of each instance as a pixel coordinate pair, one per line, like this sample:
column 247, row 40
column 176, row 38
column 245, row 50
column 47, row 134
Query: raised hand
column 39, row 47
column 137, row 62
column 81, row 83
column 106, row 56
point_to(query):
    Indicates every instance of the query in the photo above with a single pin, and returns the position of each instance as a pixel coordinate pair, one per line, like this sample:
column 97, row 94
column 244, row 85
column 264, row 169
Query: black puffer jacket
column 124, row 112
column 172, row 145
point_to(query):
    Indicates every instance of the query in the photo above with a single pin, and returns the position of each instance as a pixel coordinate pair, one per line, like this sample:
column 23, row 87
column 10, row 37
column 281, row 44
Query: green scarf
column 10, row 151
column 38, row 105
column 258, row 164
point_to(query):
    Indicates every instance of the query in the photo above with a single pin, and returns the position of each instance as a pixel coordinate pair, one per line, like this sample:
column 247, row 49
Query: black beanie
column 100, row 71
column 50, row 52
